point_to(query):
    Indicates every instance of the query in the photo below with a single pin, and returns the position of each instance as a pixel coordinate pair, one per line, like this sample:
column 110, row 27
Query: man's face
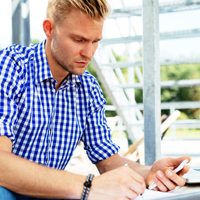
column 74, row 41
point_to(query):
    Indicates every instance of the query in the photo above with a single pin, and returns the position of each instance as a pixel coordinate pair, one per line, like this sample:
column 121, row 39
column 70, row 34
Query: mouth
column 82, row 63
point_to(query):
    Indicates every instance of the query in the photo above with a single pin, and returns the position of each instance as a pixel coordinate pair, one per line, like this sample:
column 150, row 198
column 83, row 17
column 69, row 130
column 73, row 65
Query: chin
column 78, row 72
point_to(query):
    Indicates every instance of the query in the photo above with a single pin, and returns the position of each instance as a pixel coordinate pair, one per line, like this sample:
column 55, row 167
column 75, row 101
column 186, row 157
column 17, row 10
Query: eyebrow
column 84, row 38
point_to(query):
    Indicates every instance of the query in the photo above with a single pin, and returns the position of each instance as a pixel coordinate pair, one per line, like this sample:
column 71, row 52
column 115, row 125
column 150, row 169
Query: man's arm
column 116, row 161
column 28, row 178
column 31, row 179
column 5, row 144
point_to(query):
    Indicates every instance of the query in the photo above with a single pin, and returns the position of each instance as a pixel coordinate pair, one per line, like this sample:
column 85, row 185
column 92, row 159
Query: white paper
column 151, row 194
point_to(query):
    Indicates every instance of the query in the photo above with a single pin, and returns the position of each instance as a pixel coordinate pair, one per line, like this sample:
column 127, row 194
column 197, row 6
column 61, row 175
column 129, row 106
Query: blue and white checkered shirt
column 46, row 125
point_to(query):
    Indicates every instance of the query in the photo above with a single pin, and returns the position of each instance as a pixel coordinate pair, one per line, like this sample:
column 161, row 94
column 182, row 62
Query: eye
column 79, row 40
column 95, row 42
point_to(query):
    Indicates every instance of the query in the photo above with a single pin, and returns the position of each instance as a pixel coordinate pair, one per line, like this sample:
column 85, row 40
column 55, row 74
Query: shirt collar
column 43, row 71
column 42, row 68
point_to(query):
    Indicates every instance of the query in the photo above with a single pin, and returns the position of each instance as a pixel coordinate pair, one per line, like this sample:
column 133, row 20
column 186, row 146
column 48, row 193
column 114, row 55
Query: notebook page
column 151, row 194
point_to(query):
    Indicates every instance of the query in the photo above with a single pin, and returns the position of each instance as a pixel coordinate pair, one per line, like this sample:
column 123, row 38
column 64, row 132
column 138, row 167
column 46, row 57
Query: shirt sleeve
column 97, row 137
column 9, row 89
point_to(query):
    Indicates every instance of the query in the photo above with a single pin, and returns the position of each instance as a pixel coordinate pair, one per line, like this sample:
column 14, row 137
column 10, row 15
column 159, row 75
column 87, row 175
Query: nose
column 88, row 51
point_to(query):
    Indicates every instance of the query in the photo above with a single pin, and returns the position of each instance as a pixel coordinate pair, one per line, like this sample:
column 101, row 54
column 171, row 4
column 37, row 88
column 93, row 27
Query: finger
column 133, row 181
column 131, row 194
column 137, row 187
column 160, row 186
column 184, row 170
column 165, row 181
column 131, row 188
column 158, row 180
column 178, row 161
column 178, row 180
column 182, row 158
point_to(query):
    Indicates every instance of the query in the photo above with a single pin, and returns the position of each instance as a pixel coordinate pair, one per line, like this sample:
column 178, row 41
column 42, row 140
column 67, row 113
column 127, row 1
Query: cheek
column 55, row 45
column 65, row 49
column 59, row 48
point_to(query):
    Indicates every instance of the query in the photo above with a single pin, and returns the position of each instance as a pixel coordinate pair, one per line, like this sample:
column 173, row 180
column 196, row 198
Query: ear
column 48, row 27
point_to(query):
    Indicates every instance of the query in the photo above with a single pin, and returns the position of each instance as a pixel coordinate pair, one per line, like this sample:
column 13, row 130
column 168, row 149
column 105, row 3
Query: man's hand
column 163, row 175
column 120, row 183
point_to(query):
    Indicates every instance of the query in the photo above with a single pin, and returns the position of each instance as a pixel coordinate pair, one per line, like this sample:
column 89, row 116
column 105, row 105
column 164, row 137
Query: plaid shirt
column 46, row 125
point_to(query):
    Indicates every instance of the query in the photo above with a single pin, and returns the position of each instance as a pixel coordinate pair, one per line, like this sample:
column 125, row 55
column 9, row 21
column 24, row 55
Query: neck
column 57, row 71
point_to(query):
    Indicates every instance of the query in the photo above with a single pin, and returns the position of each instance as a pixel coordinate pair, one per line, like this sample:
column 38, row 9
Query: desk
column 187, row 196
column 186, row 192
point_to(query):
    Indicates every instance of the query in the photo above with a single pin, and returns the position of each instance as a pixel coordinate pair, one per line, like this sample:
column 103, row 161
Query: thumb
column 186, row 167
column 181, row 159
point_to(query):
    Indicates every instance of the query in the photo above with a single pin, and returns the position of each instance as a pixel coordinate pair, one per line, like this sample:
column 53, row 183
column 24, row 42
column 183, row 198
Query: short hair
column 58, row 9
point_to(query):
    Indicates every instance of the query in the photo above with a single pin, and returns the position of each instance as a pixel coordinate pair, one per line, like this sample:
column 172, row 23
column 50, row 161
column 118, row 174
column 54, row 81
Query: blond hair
column 58, row 9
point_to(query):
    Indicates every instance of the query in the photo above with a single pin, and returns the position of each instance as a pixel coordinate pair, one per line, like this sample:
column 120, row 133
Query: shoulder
column 17, row 58
column 15, row 63
column 18, row 53
column 91, row 86
column 87, row 79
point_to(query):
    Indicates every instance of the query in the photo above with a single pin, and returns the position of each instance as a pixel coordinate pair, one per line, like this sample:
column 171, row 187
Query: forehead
column 80, row 23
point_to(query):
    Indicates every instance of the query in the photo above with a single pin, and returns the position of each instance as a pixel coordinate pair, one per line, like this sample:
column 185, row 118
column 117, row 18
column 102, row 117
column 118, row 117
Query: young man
column 48, row 103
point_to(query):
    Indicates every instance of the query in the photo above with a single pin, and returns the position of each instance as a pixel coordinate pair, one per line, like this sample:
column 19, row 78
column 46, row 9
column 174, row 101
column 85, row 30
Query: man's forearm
column 118, row 161
column 28, row 178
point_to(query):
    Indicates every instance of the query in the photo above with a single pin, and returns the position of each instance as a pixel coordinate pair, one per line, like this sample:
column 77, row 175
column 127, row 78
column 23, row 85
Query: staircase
column 118, row 61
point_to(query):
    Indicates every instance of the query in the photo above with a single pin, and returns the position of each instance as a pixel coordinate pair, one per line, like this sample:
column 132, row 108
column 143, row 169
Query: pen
column 176, row 170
